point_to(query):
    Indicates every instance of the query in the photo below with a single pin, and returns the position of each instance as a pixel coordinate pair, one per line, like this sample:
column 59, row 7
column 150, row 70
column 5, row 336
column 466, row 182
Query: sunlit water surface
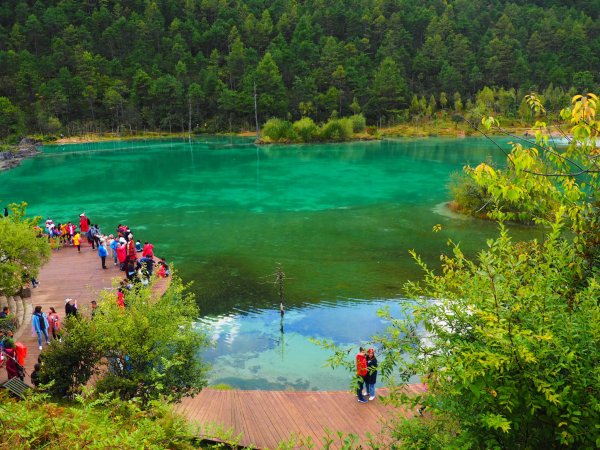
column 338, row 218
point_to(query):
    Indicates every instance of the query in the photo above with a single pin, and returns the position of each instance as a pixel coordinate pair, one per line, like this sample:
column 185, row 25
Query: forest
column 70, row 66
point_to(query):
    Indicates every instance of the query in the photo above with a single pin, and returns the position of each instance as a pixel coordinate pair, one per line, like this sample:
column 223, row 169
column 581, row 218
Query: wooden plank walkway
column 68, row 274
column 263, row 419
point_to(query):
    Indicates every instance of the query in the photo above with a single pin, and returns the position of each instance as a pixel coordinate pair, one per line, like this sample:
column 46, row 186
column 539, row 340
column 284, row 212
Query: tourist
column 70, row 232
column 131, row 253
column 11, row 359
column 64, row 233
column 92, row 236
column 84, row 223
column 371, row 377
column 39, row 325
column 4, row 313
column 122, row 252
column 112, row 244
column 102, row 253
column 131, row 271
column 120, row 298
column 361, row 372
column 5, row 211
column 138, row 246
column 94, row 308
column 163, row 268
column 55, row 324
column 35, row 375
column 147, row 264
column 148, row 249
column 77, row 241
column 70, row 307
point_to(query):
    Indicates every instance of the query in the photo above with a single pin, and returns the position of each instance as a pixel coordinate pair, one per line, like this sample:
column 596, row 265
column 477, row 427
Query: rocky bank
column 25, row 149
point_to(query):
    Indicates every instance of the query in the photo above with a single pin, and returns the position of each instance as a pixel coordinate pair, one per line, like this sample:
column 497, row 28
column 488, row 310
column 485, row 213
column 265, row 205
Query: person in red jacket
column 122, row 253
column 148, row 250
column 84, row 223
column 361, row 372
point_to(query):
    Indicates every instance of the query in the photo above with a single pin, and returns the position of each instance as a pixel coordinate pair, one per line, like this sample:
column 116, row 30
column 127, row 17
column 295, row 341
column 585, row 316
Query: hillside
column 69, row 66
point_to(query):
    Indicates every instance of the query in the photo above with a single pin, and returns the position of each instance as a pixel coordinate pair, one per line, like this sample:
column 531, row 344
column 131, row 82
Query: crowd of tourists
column 135, row 259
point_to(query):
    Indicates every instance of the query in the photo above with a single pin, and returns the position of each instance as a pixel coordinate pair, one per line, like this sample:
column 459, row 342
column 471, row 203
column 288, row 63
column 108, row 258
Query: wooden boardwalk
column 264, row 419
column 68, row 274
column 261, row 419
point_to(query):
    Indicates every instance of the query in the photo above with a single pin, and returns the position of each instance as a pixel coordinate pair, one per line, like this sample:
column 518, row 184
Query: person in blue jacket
column 102, row 253
column 39, row 324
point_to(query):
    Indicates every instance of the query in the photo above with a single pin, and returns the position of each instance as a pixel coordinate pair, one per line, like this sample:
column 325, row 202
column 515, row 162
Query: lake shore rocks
column 26, row 148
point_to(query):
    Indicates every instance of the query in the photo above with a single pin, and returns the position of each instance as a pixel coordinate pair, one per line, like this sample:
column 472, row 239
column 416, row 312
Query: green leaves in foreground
column 509, row 348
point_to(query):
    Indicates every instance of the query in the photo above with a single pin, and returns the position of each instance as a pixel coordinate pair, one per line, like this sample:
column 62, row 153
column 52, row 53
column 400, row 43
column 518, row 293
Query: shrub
column 337, row 130
column 359, row 123
column 8, row 324
column 306, row 129
column 468, row 195
column 279, row 130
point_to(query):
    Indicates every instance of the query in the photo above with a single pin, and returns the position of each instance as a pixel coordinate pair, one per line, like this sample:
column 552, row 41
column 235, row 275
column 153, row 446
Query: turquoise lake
column 338, row 218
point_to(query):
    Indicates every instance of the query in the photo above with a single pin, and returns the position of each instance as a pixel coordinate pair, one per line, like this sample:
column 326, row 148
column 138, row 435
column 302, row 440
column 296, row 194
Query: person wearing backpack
column 39, row 324
column 55, row 325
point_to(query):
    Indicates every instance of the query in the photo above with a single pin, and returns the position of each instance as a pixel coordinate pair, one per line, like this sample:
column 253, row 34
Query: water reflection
column 251, row 352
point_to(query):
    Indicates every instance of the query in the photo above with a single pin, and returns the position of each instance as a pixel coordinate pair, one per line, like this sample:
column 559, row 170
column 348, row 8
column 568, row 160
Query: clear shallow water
column 338, row 218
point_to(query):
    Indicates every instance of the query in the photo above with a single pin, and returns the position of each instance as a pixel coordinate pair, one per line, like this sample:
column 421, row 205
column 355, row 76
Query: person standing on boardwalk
column 122, row 253
column 371, row 377
column 361, row 372
column 54, row 321
column 77, row 241
column 84, row 223
column 131, row 252
column 39, row 324
column 102, row 253
column 11, row 359
column 148, row 249
column 70, row 307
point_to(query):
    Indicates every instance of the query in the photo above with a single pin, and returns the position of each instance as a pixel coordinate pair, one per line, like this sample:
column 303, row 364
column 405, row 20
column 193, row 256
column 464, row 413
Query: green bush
column 279, row 130
column 306, row 129
column 468, row 195
column 8, row 324
column 336, row 130
column 359, row 123
column 122, row 388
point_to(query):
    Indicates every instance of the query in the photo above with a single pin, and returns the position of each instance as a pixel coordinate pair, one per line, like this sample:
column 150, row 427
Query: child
column 35, row 375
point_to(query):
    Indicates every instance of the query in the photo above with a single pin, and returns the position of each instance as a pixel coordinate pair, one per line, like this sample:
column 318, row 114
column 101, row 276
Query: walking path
column 262, row 419
column 68, row 274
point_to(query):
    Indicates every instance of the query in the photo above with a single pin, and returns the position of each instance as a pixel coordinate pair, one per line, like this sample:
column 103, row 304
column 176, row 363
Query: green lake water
column 338, row 218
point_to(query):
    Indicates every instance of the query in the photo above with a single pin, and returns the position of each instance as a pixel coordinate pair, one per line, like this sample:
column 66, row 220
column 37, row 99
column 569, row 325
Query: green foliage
column 21, row 252
column 11, row 119
column 81, row 66
column 336, row 130
column 278, row 130
column 359, row 123
column 148, row 351
column 469, row 197
column 69, row 364
column 306, row 129
column 508, row 345
column 38, row 423
column 8, row 323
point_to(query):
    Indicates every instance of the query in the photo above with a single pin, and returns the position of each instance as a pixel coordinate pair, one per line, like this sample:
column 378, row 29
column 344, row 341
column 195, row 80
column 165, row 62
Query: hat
column 67, row 300
column 130, row 236
column 122, row 240
column 82, row 214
